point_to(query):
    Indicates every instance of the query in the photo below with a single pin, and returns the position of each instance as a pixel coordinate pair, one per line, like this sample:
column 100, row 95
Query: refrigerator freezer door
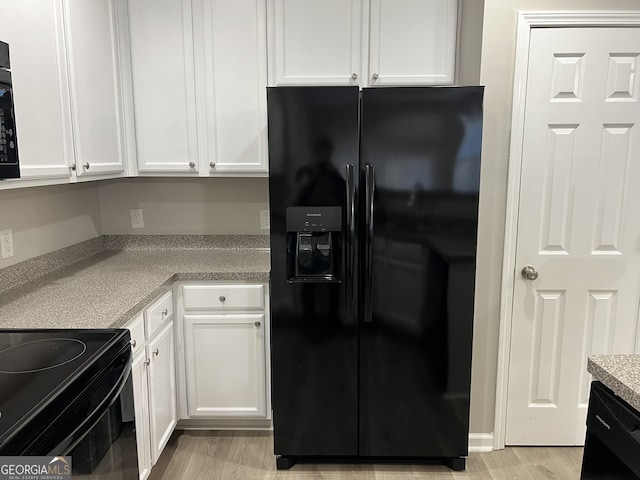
column 416, row 330
column 313, row 159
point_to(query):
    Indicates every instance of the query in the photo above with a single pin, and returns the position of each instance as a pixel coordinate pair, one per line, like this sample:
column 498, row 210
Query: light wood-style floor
column 200, row 455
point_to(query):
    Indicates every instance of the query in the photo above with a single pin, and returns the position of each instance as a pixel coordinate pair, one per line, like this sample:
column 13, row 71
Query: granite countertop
column 619, row 372
column 110, row 286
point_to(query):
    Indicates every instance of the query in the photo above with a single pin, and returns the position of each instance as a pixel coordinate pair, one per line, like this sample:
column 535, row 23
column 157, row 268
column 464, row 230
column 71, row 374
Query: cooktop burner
column 38, row 355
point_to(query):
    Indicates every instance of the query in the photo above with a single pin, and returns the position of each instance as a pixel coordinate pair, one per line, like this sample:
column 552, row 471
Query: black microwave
column 9, row 166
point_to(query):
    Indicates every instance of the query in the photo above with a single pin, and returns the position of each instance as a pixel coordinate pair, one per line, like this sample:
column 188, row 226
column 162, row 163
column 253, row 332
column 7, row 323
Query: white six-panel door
column 578, row 226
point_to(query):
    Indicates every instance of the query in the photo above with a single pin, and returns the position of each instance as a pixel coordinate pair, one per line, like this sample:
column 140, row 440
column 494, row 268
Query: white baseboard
column 480, row 442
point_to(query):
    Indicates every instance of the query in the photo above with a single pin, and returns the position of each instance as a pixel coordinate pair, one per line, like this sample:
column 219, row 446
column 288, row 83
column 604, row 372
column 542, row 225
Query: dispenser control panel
column 314, row 219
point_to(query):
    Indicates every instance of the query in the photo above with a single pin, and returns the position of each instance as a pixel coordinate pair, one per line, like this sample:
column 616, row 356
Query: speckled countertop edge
column 84, row 295
column 620, row 373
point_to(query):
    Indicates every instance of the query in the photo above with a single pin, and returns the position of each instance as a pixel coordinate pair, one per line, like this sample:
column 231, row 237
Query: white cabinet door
column 95, row 85
column 363, row 42
column 316, row 42
column 225, row 365
column 141, row 400
column 163, row 85
column 412, row 42
column 233, row 95
column 33, row 30
column 162, row 389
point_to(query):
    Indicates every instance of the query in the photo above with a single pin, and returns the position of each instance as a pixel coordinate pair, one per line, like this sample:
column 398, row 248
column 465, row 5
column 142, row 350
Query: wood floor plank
column 242, row 455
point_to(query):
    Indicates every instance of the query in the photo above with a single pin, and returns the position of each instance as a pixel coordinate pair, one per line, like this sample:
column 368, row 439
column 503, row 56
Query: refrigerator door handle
column 351, row 245
column 370, row 187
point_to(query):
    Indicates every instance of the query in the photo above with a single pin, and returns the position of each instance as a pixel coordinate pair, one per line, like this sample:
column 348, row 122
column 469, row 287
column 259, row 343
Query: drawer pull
column 147, row 362
column 257, row 324
column 133, row 343
column 222, row 298
column 156, row 351
column 165, row 312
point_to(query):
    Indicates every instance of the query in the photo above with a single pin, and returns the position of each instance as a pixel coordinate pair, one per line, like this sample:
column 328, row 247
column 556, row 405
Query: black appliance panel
column 4, row 56
column 612, row 445
column 314, row 219
column 313, row 156
column 9, row 167
column 420, row 171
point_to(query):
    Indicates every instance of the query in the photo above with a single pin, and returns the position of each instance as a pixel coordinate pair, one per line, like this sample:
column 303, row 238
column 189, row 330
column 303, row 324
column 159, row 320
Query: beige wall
column 212, row 206
column 469, row 41
column 498, row 50
column 44, row 219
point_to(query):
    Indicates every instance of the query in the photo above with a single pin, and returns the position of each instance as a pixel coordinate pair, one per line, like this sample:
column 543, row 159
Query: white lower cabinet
column 154, row 380
column 162, row 389
column 141, row 398
column 224, row 330
column 225, row 365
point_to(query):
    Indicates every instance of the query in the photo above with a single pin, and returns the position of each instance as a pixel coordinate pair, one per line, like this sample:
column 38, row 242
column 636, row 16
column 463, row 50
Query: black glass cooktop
column 38, row 366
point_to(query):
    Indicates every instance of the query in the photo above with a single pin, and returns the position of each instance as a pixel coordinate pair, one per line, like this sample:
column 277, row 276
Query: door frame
column 526, row 22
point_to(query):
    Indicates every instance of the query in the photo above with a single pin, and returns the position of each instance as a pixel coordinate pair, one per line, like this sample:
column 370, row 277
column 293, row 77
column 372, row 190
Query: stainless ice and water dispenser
column 314, row 243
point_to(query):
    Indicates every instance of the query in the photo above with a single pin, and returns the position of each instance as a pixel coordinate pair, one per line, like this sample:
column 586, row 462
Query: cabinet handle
column 156, row 351
column 86, row 166
column 374, row 77
column 354, row 76
column 192, row 164
column 222, row 298
column 165, row 312
column 133, row 343
column 73, row 167
column 212, row 164
column 147, row 362
column 257, row 324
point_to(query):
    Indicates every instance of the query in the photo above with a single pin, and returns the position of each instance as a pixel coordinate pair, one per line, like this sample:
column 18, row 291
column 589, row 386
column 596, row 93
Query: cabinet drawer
column 158, row 313
column 198, row 297
column 136, row 329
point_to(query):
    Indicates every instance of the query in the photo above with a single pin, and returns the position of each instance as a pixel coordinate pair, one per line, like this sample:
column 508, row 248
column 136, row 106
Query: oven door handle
column 92, row 419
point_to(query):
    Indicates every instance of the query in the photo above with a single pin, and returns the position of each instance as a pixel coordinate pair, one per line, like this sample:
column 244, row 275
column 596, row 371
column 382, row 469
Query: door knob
column 529, row 273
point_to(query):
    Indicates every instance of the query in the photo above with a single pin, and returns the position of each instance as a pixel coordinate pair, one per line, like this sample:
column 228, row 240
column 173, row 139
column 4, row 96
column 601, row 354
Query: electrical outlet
column 6, row 243
column 264, row 219
column 136, row 218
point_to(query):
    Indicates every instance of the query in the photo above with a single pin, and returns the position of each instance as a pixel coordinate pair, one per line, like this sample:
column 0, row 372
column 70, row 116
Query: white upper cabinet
column 316, row 42
column 363, row 42
column 233, row 87
column 95, row 85
column 34, row 31
column 163, row 86
column 68, row 87
column 200, row 77
column 412, row 42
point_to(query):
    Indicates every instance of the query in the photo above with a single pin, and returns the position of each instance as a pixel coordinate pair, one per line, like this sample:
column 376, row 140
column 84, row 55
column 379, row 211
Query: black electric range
column 54, row 383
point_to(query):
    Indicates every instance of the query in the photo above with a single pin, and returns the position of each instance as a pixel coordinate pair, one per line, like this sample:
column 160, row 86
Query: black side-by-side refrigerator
column 374, row 214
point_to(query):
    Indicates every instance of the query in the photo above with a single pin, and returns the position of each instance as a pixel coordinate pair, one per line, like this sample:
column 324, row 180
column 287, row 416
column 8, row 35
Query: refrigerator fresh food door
column 419, row 178
column 313, row 171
